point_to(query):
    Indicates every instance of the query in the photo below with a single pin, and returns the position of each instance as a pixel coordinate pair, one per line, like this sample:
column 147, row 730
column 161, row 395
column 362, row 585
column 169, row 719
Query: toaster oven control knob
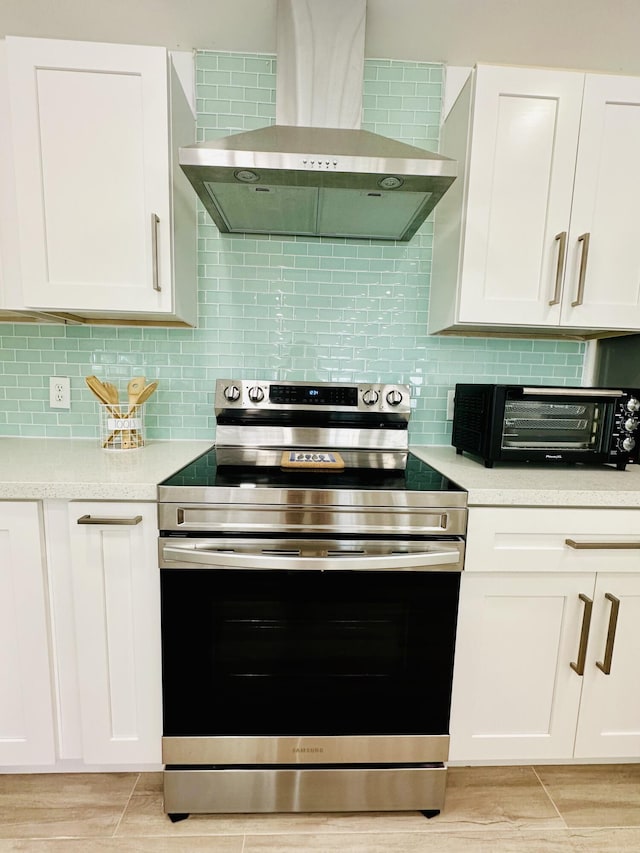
column 370, row 397
column 256, row 394
column 232, row 393
column 633, row 404
column 394, row 398
column 628, row 443
column 631, row 424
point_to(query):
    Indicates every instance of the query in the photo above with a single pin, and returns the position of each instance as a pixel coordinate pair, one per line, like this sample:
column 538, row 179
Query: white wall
column 597, row 34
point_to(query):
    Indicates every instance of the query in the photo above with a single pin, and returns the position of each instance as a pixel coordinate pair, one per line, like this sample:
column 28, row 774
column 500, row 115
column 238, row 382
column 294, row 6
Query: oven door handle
column 450, row 560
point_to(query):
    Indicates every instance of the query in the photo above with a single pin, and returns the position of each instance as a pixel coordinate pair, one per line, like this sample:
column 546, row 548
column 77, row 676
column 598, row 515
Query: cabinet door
column 524, row 139
column 609, row 721
column 26, row 708
column 9, row 265
column 116, row 587
column 605, row 208
column 90, row 130
column 515, row 695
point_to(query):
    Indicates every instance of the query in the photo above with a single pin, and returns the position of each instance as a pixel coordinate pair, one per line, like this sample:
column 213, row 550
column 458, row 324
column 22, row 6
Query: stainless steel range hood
column 315, row 173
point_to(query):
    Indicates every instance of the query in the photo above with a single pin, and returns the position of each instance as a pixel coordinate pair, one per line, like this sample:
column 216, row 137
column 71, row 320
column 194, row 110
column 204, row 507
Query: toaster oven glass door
column 545, row 424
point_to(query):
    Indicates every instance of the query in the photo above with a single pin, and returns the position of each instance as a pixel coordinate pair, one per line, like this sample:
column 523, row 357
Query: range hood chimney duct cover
column 315, row 173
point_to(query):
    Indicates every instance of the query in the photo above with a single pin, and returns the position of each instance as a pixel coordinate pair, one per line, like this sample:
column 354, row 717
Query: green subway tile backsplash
column 280, row 307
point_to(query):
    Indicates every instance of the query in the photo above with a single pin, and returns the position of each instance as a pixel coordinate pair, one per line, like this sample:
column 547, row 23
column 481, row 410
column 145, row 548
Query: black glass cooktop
column 207, row 471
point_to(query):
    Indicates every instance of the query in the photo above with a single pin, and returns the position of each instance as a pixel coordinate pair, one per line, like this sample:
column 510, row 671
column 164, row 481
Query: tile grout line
column 126, row 805
column 553, row 803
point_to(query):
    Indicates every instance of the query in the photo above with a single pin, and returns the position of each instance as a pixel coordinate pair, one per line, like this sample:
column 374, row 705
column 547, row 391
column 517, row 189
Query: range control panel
column 295, row 396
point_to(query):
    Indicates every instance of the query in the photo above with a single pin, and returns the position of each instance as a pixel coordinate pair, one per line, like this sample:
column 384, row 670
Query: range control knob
column 370, row 397
column 631, row 424
column 633, row 404
column 232, row 393
column 256, row 394
column 394, row 398
column 628, row 443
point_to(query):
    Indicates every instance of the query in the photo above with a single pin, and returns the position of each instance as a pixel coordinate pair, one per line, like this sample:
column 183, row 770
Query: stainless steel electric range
column 310, row 569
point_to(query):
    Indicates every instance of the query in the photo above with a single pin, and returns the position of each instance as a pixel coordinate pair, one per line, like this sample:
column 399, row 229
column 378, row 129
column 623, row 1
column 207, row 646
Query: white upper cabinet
column 106, row 219
column 605, row 209
column 9, row 263
column 539, row 233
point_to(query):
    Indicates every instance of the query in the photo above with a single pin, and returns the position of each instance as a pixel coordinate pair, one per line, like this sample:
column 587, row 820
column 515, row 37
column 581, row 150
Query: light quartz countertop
column 536, row 485
column 79, row 469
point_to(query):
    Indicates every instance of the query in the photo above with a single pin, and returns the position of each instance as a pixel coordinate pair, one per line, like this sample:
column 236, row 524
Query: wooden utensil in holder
column 135, row 386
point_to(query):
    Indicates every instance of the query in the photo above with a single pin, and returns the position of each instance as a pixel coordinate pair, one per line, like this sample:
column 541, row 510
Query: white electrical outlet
column 450, row 398
column 59, row 392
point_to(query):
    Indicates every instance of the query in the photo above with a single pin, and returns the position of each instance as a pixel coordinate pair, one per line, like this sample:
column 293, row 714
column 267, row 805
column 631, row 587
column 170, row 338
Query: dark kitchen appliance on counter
column 310, row 570
column 546, row 424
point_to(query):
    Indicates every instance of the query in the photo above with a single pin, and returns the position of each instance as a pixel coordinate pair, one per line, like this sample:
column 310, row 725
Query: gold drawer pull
column 578, row 666
column 605, row 665
column 621, row 544
column 94, row 519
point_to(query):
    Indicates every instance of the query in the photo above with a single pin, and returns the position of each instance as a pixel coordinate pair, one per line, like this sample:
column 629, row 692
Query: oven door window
column 546, row 424
column 306, row 652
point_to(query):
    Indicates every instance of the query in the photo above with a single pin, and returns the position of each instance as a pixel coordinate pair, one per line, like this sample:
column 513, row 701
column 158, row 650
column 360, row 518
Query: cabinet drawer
column 549, row 540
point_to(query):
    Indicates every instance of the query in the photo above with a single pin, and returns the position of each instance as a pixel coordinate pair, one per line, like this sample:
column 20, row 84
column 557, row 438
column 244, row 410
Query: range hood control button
column 394, row 398
column 246, row 176
column 232, row 393
column 370, row 397
column 256, row 394
column 390, row 182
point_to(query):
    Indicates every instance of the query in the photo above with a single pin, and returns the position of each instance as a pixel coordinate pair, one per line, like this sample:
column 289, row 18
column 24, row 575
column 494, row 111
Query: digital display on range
column 319, row 395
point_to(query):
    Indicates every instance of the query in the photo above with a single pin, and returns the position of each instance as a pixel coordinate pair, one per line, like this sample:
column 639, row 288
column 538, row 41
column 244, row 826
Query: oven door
column 301, row 641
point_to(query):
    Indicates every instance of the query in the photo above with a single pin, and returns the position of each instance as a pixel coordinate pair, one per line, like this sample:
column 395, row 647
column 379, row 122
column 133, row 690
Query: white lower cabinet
column 515, row 695
column 80, row 660
column 609, row 720
column 546, row 659
column 27, row 735
column 116, row 591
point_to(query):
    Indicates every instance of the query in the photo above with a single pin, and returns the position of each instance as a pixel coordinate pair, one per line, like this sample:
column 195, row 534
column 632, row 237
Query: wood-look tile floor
column 578, row 809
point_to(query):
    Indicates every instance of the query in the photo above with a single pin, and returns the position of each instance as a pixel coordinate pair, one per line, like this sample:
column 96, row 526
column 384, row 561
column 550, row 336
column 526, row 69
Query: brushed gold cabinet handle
column 621, row 544
column 155, row 221
column 562, row 253
column 605, row 665
column 584, row 239
column 578, row 666
column 94, row 519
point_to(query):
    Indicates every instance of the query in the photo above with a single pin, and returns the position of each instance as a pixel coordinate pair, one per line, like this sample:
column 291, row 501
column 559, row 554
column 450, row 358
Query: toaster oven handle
column 573, row 392
column 212, row 558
